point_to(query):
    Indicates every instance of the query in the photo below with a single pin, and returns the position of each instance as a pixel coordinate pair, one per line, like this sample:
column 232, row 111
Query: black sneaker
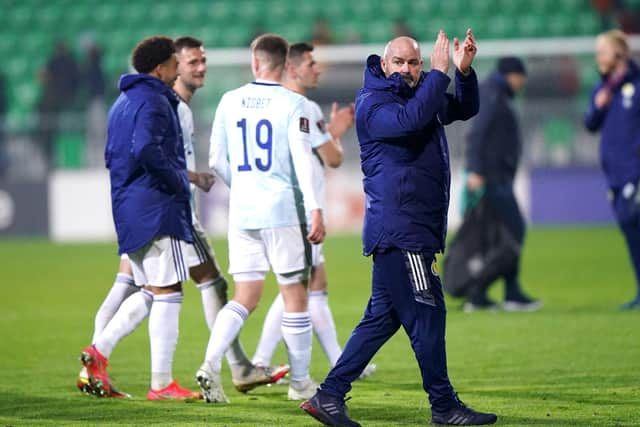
column 329, row 410
column 480, row 304
column 631, row 305
column 462, row 416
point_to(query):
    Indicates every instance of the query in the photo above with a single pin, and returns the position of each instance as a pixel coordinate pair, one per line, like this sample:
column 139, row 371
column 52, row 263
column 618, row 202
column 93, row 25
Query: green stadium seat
column 219, row 12
column 530, row 25
column 587, row 23
column 501, row 27
column 561, row 25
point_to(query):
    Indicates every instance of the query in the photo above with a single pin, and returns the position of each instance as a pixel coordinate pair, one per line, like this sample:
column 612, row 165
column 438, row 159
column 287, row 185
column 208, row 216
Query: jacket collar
column 633, row 72
column 501, row 82
column 375, row 79
column 128, row 81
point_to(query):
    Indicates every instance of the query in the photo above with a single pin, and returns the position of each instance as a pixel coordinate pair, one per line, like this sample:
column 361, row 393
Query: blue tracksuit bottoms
column 406, row 291
column 627, row 211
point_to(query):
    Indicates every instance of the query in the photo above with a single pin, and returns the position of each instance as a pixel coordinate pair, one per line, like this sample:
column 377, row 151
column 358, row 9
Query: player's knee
column 159, row 290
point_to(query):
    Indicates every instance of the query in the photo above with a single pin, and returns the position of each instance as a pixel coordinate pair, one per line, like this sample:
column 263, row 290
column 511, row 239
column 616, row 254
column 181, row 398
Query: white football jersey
column 319, row 137
column 261, row 147
column 185, row 116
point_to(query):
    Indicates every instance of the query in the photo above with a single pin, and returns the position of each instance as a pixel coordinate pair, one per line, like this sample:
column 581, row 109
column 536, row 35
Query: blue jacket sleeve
column 394, row 120
column 150, row 129
column 479, row 134
column 595, row 116
column 465, row 103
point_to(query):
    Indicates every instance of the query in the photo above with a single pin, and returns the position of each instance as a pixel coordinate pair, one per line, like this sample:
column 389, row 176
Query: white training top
column 319, row 136
column 261, row 148
column 185, row 116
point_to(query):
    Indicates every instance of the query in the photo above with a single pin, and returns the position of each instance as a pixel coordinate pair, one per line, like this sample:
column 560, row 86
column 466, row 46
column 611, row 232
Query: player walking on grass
column 199, row 257
column 615, row 111
column 260, row 147
column 151, row 211
column 302, row 73
column 400, row 114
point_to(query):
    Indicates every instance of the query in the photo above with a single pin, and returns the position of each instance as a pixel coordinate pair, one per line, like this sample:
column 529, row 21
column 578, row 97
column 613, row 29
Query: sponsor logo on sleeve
column 304, row 125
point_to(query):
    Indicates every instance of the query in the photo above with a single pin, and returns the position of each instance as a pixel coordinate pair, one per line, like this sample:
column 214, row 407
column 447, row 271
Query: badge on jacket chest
column 628, row 90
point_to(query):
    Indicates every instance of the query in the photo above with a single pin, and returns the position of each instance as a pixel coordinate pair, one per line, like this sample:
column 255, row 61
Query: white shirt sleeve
column 218, row 149
column 300, row 147
column 319, row 133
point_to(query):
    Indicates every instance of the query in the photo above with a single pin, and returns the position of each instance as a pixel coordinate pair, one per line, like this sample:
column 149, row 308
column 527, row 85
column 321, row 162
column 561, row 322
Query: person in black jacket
column 493, row 153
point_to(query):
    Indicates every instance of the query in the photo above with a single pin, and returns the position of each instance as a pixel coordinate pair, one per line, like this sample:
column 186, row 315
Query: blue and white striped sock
column 226, row 328
column 130, row 314
column 297, row 334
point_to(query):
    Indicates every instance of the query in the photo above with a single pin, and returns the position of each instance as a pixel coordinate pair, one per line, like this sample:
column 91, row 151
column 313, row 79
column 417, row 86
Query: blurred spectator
column 59, row 79
column 613, row 110
column 321, row 32
column 93, row 81
column 401, row 28
column 493, row 154
column 4, row 159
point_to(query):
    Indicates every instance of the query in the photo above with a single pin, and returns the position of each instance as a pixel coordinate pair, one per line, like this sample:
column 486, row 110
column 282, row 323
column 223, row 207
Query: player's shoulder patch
column 304, row 124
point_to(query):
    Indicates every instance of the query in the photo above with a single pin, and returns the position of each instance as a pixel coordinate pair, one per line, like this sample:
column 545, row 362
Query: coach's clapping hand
column 440, row 53
column 463, row 55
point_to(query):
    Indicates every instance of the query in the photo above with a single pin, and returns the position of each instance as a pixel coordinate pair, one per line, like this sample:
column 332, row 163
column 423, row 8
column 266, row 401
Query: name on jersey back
column 255, row 102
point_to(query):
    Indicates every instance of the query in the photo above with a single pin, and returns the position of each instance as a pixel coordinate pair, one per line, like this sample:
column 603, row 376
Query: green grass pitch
column 574, row 363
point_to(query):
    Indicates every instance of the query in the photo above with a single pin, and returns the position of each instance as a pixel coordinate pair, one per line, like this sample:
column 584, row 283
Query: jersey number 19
column 264, row 140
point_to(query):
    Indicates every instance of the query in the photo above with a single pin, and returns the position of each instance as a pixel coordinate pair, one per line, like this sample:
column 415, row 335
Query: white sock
column 324, row 326
column 214, row 297
column 226, row 328
column 211, row 301
column 296, row 331
column 130, row 314
column 122, row 288
column 163, row 336
column 271, row 333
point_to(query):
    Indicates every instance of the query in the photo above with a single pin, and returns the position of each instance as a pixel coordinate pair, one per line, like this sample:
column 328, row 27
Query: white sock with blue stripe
column 226, row 328
column 122, row 288
column 296, row 331
column 214, row 297
column 130, row 314
column 163, row 336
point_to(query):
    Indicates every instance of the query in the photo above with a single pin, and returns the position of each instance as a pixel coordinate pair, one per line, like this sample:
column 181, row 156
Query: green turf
column 576, row 362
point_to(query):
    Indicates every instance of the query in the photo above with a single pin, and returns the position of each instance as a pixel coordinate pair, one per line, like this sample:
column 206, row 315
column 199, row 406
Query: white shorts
column 254, row 252
column 200, row 251
column 160, row 263
column 317, row 256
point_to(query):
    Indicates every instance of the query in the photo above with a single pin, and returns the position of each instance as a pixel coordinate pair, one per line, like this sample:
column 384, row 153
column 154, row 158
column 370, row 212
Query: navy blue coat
column 494, row 144
column 405, row 157
column 619, row 123
column 145, row 158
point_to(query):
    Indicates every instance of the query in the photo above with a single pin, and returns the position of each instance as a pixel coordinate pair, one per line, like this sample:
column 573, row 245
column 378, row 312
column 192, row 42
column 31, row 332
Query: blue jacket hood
column 375, row 79
column 129, row 81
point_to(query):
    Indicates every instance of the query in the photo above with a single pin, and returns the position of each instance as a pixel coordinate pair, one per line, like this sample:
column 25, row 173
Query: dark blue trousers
column 628, row 215
column 407, row 292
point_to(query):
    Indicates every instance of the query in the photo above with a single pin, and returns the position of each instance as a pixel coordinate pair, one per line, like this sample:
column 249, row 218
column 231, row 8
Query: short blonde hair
column 618, row 39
